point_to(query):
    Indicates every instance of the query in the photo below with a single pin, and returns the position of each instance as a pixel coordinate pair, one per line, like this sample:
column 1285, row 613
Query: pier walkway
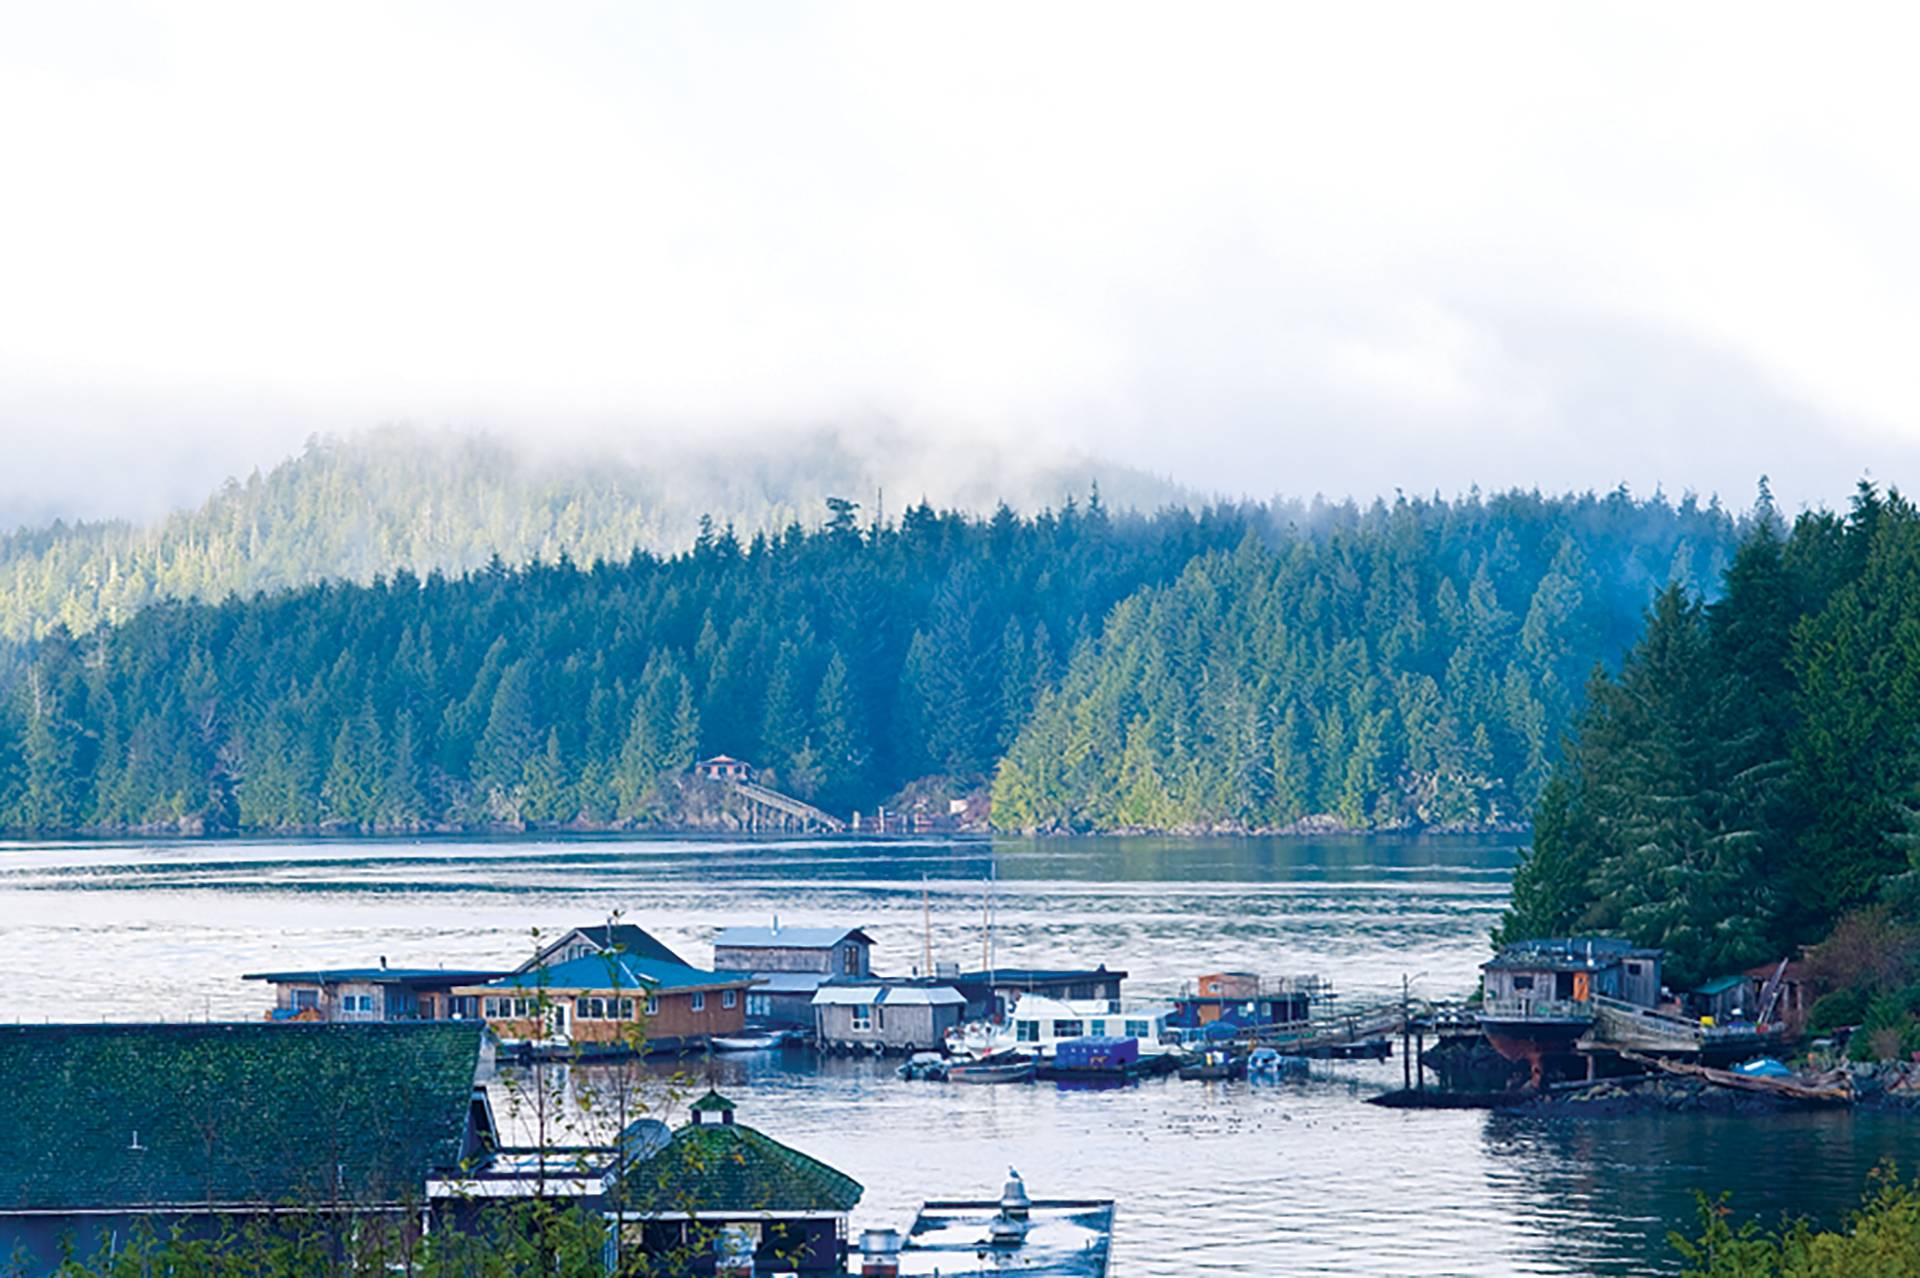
column 784, row 811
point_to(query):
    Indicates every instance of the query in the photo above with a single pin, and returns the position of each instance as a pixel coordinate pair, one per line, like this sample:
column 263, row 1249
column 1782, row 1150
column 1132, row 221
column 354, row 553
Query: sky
column 1267, row 248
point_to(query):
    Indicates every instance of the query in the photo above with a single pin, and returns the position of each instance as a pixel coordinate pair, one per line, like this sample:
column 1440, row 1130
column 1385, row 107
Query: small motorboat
column 1267, row 1063
column 997, row 1069
column 753, row 1041
column 924, row 1065
column 1217, row 1066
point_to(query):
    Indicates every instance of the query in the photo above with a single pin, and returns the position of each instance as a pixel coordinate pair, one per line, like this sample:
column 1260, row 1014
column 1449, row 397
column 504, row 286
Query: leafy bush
column 1881, row 1240
column 1832, row 1011
column 1885, row 1027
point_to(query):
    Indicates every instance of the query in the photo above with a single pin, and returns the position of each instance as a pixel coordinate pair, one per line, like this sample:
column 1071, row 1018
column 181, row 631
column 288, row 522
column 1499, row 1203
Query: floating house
column 1547, row 1001
column 1228, row 1004
column 791, row 963
column 372, row 994
column 199, row 1128
column 605, row 938
column 1036, row 1026
column 1540, row 996
column 886, row 1016
column 614, row 1002
column 718, row 1190
column 990, row 994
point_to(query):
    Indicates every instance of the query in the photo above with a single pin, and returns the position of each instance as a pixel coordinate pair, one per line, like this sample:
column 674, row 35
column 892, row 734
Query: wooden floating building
column 1550, row 1002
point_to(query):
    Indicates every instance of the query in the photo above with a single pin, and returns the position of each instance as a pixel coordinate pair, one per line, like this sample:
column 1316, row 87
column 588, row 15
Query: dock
column 1062, row 1238
column 772, row 810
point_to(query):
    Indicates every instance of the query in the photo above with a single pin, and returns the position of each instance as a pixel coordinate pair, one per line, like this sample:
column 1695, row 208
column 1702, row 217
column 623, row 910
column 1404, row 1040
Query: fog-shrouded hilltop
column 1234, row 667
column 439, row 500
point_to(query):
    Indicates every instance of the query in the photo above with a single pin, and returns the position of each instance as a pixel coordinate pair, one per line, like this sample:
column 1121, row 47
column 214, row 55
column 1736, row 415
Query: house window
column 728, row 998
column 1026, row 1031
column 361, row 1004
column 850, row 960
column 626, row 1009
column 1097, row 1028
column 1633, row 969
column 862, row 1020
column 1523, row 982
column 1138, row 1029
column 653, row 1007
column 699, row 1002
column 306, row 1000
column 759, row 1005
column 1068, row 1029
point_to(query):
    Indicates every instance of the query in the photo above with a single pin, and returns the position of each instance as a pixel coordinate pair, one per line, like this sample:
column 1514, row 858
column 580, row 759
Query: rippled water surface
column 1211, row 1179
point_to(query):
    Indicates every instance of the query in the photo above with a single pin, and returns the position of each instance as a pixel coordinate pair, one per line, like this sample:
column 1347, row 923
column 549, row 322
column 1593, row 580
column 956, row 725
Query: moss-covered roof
column 139, row 1116
column 712, row 1103
column 712, row 1169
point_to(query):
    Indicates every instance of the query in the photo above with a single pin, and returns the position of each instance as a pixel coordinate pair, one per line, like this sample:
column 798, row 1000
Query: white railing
column 1535, row 1009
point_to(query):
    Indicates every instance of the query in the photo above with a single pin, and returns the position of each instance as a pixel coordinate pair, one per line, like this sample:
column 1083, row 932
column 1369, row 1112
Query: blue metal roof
column 618, row 971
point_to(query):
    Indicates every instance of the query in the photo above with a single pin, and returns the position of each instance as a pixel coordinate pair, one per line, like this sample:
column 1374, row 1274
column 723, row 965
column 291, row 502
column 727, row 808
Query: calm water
column 1211, row 1179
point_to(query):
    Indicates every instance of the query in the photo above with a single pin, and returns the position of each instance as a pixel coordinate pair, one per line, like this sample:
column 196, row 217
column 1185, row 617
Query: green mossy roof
column 229, row 1114
column 711, row 1169
column 712, row 1103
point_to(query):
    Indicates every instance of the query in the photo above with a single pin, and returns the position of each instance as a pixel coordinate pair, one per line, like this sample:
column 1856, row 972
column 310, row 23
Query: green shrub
column 1831, row 1011
column 1881, row 1240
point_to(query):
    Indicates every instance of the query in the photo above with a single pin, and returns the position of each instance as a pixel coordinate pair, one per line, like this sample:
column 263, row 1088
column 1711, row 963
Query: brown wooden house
column 615, row 1000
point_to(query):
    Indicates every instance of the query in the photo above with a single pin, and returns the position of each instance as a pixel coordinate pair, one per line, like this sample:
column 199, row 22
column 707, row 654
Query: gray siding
column 908, row 1028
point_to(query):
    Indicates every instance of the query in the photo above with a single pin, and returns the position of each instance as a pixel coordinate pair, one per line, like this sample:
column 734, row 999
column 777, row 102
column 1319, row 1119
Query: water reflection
column 1212, row 1178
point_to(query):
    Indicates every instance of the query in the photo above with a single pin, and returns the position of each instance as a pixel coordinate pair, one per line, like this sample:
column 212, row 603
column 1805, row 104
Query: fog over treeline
column 356, row 507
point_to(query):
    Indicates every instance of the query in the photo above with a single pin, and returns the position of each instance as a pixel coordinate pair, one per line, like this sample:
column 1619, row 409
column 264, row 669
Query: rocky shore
column 1885, row 1087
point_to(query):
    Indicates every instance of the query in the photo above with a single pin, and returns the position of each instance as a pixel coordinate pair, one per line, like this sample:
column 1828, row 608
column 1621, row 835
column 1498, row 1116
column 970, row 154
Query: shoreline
column 598, row 832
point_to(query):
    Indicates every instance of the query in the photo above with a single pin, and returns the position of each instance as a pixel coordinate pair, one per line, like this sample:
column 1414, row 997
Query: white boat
column 1036, row 1024
column 748, row 1042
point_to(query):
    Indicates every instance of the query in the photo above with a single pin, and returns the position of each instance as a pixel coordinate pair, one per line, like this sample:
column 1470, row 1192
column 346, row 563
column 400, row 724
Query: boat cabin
column 1573, row 970
column 1037, row 1025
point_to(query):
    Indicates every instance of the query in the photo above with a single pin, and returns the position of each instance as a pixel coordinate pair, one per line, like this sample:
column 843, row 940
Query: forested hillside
column 1412, row 665
column 1751, row 776
column 845, row 662
column 1405, row 663
column 426, row 500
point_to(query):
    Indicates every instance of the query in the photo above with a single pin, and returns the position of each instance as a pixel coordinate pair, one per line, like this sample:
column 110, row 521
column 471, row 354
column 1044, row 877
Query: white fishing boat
column 1036, row 1024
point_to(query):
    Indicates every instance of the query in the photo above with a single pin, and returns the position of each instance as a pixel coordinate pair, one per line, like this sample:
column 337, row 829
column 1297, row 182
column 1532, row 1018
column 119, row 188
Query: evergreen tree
column 500, row 759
